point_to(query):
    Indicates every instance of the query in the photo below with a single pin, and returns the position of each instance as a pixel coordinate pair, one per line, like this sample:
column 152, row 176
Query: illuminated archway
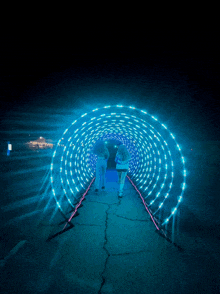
column 157, row 167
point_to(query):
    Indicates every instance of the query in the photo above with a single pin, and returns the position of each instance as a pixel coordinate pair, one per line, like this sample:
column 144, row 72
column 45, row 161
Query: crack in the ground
column 106, row 240
column 104, row 247
column 138, row 220
column 126, row 253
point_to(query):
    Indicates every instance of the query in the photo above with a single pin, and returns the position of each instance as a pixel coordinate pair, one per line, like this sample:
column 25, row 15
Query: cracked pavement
column 112, row 248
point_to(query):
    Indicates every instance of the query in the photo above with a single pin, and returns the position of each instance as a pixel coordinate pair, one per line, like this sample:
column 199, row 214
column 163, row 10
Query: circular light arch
column 157, row 166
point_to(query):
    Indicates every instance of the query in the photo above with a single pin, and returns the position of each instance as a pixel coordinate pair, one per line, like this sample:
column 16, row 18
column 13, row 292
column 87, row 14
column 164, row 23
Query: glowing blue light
column 174, row 210
column 156, row 157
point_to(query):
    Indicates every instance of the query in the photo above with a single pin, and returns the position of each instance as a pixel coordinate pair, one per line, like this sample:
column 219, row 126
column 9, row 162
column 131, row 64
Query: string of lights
column 157, row 166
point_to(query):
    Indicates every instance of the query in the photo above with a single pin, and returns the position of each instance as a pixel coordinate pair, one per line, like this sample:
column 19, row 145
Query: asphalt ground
column 113, row 246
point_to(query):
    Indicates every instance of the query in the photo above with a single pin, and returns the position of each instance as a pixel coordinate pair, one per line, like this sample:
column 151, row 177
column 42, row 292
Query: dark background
column 172, row 76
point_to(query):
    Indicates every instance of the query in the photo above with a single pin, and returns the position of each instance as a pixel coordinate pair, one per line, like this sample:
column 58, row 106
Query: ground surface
column 112, row 248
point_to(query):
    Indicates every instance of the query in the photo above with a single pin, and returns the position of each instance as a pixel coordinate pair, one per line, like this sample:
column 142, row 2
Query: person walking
column 122, row 165
column 102, row 152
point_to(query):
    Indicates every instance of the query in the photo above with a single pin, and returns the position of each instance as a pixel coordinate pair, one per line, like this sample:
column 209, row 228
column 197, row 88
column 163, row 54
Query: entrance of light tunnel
column 157, row 166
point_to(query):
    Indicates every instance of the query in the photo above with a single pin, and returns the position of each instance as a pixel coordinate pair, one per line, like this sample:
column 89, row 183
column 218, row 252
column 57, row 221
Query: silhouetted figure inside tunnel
column 102, row 152
column 122, row 165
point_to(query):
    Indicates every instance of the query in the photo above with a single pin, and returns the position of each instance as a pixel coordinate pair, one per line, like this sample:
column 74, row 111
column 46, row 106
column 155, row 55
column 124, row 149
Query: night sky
column 175, row 79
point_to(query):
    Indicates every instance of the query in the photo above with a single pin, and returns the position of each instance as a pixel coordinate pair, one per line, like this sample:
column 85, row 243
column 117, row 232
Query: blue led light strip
column 157, row 166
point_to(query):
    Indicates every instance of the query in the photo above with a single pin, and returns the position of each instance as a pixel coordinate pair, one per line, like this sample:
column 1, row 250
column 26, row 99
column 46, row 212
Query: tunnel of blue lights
column 157, row 166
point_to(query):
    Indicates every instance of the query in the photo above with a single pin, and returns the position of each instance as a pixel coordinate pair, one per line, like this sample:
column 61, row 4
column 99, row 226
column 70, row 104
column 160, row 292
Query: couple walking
column 122, row 165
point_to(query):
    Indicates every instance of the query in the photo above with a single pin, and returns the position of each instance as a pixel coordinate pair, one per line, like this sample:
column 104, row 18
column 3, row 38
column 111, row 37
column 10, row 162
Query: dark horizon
column 178, row 84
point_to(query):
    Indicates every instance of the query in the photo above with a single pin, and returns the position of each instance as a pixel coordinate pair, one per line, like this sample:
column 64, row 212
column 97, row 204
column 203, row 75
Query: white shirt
column 121, row 164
